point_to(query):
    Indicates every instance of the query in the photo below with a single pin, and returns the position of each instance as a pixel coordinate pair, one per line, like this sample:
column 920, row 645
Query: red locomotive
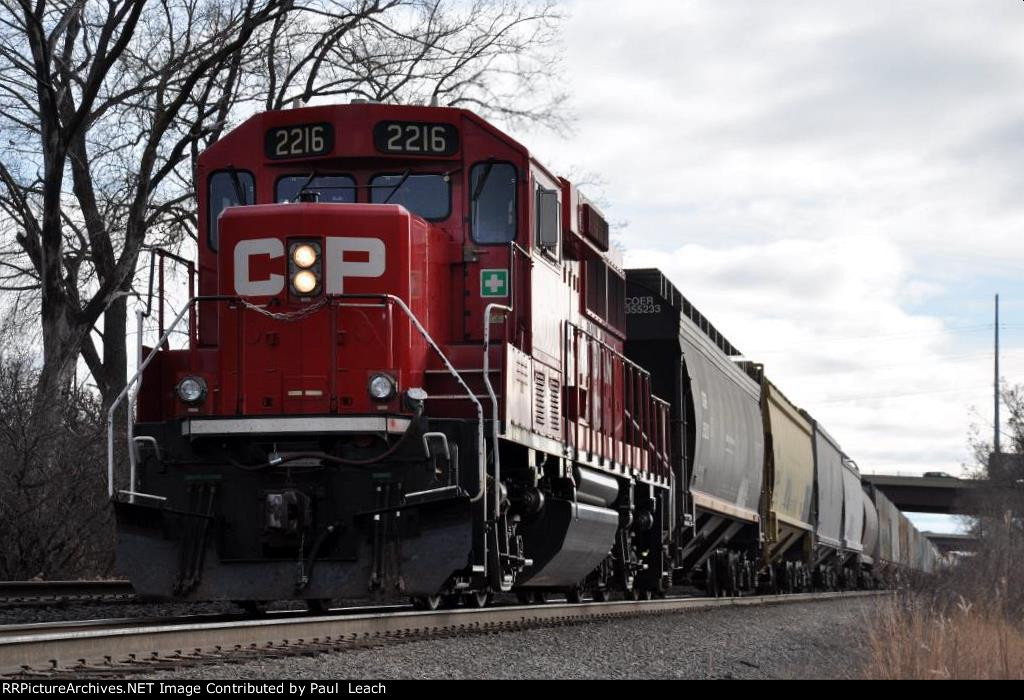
column 412, row 367
column 405, row 370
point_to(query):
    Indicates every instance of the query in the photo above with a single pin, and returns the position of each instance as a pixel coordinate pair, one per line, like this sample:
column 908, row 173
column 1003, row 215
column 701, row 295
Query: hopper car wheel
column 524, row 597
column 253, row 608
column 772, row 584
column 427, row 602
column 318, row 606
column 732, row 577
column 631, row 594
column 478, row 599
column 601, row 595
column 712, row 587
column 574, row 595
column 646, row 594
column 540, row 597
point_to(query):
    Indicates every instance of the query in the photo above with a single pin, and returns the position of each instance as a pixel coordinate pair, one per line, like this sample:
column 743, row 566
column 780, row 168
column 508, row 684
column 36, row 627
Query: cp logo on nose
column 344, row 258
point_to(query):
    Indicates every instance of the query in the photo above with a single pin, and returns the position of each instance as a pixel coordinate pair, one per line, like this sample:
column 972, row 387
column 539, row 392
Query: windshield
column 428, row 196
column 332, row 189
column 227, row 188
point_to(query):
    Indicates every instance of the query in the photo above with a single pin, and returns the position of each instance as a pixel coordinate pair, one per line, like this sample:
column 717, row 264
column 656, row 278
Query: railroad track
column 22, row 593
column 108, row 649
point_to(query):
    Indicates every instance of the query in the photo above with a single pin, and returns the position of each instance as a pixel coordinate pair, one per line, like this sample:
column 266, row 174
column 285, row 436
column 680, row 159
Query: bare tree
column 53, row 511
column 105, row 106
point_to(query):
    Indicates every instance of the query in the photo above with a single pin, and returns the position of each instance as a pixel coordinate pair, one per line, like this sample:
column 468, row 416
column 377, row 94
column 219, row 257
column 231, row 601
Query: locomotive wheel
column 318, row 606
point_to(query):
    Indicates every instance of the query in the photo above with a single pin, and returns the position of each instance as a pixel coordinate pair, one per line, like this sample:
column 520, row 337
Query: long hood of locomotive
column 280, row 353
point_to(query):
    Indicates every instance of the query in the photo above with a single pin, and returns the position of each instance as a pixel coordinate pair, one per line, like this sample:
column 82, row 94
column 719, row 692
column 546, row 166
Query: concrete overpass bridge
column 946, row 542
column 926, row 494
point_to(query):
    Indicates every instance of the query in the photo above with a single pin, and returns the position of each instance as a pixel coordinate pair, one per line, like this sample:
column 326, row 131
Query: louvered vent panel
column 540, row 402
column 555, row 405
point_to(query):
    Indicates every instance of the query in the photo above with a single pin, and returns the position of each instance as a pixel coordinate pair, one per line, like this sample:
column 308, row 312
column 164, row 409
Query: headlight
column 382, row 387
column 304, row 267
column 305, row 282
column 304, row 256
column 191, row 389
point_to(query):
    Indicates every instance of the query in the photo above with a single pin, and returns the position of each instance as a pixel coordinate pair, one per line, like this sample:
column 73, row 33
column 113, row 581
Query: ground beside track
column 823, row 640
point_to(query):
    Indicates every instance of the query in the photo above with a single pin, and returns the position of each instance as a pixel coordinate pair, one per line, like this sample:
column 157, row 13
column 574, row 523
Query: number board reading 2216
column 416, row 138
column 299, row 140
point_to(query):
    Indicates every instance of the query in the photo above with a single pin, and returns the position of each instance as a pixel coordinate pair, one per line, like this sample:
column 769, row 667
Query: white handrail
column 481, row 446
column 136, row 379
column 488, row 312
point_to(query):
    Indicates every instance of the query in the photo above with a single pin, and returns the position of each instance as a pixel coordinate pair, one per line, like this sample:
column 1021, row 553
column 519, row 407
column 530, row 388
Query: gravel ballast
column 799, row 640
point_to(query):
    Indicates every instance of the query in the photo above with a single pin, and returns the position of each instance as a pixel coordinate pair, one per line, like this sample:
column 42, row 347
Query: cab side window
column 548, row 224
column 227, row 188
column 492, row 188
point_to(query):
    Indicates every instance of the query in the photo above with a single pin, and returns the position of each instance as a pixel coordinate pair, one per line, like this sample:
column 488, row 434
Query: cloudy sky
column 838, row 186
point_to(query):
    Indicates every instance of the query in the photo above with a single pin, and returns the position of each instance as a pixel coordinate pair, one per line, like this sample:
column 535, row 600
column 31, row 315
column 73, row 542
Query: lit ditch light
column 304, row 268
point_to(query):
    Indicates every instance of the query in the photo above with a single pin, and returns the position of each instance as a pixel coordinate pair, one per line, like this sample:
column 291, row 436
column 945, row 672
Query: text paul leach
column 297, row 689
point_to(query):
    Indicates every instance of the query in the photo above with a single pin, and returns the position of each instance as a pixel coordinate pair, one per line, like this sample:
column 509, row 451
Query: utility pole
column 995, row 438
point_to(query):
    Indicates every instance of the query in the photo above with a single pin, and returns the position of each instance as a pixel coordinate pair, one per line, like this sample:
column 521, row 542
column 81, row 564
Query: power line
column 881, row 338
column 947, row 359
column 853, row 399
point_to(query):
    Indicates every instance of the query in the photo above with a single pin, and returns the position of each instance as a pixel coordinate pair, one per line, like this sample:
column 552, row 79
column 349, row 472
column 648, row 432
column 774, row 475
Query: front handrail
column 481, row 444
column 135, row 381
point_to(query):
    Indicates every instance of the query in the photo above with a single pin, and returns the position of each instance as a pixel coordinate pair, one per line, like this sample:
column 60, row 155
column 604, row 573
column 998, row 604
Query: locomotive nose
column 329, row 293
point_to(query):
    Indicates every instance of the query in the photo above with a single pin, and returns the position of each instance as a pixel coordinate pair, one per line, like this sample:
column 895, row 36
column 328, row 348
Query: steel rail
column 45, row 590
column 131, row 649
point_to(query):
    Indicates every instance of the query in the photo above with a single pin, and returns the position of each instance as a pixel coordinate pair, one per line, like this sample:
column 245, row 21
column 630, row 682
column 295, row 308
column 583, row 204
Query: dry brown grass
column 913, row 639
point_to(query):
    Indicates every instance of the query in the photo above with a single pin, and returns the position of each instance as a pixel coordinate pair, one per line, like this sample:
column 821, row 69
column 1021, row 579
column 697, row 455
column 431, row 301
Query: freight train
column 415, row 364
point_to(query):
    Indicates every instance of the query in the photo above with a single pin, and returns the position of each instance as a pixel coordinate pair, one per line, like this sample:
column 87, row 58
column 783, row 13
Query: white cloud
column 837, row 186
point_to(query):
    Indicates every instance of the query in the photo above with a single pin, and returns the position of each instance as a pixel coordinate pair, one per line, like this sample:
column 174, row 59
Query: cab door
column 492, row 274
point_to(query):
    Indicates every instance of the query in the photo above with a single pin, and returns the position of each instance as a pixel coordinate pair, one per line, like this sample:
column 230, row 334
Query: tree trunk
column 115, row 350
column 60, row 353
